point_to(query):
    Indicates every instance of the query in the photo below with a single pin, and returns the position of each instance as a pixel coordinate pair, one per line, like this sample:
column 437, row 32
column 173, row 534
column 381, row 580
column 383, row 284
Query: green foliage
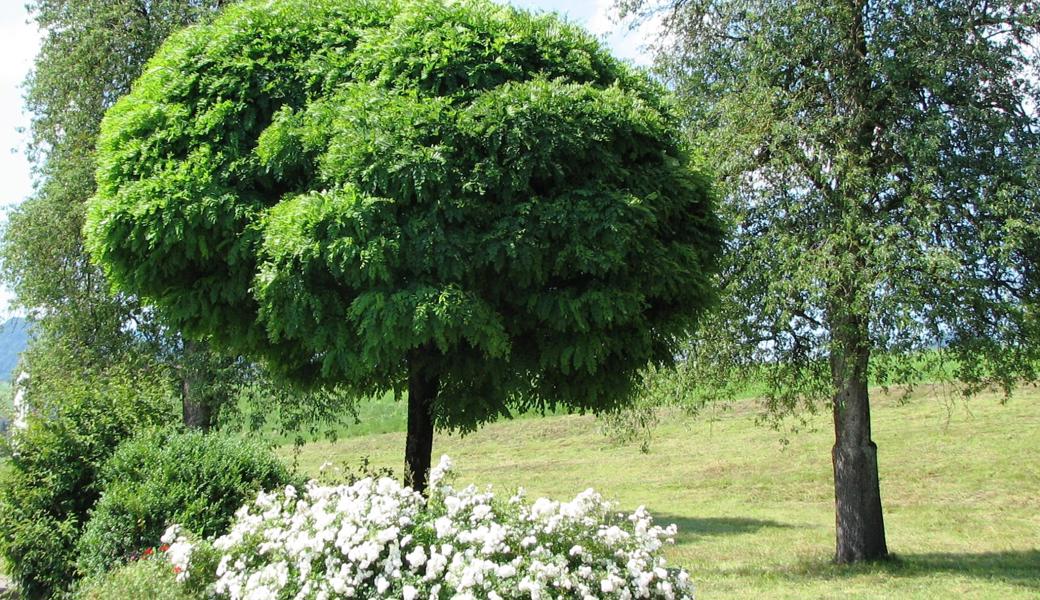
column 161, row 478
column 881, row 195
column 283, row 413
column 152, row 579
column 880, row 162
column 92, row 50
column 6, row 405
column 51, row 482
column 335, row 184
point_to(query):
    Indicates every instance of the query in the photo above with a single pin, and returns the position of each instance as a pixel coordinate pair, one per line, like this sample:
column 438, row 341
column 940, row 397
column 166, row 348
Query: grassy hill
column 960, row 482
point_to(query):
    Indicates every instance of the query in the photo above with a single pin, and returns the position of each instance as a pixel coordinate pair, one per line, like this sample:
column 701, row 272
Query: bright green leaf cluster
column 332, row 184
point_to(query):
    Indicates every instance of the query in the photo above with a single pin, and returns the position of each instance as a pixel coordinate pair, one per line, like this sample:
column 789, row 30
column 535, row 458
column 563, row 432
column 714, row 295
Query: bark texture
column 859, row 521
column 418, row 450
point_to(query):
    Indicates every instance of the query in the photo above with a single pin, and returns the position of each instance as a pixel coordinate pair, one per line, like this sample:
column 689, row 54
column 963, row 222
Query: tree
column 880, row 165
column 91, row 53
column 463, row 200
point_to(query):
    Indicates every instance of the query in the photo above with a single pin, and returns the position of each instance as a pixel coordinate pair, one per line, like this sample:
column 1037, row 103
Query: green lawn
column 384, row 414
column 960, row 482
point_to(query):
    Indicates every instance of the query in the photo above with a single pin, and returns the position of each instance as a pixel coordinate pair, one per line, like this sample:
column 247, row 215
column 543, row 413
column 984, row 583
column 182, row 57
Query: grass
column 960, row 482
column 375, row 416
column 387, row 414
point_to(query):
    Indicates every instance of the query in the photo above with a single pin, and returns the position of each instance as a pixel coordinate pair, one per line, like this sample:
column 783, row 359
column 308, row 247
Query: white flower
column 170, row 535
column 438, row 473
column 377, row 539
column 417, row 557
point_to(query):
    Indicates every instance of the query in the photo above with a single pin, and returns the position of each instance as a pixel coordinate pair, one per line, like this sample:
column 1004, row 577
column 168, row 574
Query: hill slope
column 14, row 337
column 959, row 480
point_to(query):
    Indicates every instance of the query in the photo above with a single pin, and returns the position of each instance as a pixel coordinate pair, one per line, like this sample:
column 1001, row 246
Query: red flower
column 148, row 552
column 177, row 570
column 164, row 548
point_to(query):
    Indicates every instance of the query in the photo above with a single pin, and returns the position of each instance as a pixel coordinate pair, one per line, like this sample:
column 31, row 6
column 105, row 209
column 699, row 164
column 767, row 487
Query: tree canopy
column 462, row 198
column 92, row 51
column 880, row 164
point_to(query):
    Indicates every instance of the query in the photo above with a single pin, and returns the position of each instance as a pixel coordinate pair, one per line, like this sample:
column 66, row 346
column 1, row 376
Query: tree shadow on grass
column 1019, row 567
column 691, row 527
column 1016, row 567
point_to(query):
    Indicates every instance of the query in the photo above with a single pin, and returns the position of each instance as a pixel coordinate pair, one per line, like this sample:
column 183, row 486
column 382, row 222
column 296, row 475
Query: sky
column 20, row 41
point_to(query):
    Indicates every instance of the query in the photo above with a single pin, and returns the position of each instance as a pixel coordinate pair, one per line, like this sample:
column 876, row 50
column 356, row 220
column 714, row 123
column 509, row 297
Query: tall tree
column 881, row 169
column 92, row 51
column 459, row 199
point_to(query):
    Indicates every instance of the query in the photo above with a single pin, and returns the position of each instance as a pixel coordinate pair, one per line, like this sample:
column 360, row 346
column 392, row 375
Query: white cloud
column 603, row 18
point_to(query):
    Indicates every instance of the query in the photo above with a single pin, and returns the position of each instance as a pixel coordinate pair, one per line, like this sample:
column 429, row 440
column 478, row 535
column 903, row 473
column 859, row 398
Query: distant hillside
column 14, row 337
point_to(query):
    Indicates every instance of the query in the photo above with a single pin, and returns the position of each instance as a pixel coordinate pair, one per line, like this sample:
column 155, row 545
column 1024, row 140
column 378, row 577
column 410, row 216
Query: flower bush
column 377, row 539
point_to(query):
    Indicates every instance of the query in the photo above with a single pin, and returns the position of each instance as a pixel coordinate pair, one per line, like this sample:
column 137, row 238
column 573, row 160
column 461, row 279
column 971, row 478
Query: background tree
column 880, row 162
column 463, row 200
column 92, row 51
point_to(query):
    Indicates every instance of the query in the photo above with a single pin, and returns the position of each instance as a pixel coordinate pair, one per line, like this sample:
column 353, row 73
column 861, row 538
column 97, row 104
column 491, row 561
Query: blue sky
column 19, row 42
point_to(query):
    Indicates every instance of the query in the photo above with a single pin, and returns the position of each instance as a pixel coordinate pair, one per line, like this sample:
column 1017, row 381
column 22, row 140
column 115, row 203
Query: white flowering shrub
column 377, row 539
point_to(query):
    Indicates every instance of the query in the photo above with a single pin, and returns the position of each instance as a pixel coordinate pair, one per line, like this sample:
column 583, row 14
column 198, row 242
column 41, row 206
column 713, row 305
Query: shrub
column 151, row 579
column 163, row 477
column 376, row 539
column 50, row 483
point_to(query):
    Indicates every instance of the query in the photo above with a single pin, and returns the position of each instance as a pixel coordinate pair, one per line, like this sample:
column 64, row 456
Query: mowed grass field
column 960, row 482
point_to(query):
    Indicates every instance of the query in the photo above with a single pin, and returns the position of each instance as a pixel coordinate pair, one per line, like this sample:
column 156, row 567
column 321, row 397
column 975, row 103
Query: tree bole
column 196, row 413
column 418, row 449
column 859, row 521
column 196, row 406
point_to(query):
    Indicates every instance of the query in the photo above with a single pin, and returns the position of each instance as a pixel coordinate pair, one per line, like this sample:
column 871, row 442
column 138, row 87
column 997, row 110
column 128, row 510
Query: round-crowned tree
column 463, row 200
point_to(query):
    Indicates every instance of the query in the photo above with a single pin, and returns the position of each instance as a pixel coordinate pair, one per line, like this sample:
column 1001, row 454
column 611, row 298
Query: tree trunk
column 196, row 409
column 418, row 449
column 196, row 414
column 859, row 522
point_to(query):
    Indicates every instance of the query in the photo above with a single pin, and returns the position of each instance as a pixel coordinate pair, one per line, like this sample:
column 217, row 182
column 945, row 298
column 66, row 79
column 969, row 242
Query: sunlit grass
column 960, row 483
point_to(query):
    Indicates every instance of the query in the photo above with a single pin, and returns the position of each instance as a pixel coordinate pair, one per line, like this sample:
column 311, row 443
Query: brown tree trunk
column 859, row 522
column 196, row 410
column 418, row 449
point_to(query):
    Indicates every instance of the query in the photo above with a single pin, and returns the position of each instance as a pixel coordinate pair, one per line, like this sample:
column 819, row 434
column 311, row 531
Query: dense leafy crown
column 333, row 184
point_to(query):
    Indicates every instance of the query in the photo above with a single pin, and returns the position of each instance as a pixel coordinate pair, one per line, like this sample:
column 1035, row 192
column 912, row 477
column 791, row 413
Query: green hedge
column 50, row 484
column 161, row 477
